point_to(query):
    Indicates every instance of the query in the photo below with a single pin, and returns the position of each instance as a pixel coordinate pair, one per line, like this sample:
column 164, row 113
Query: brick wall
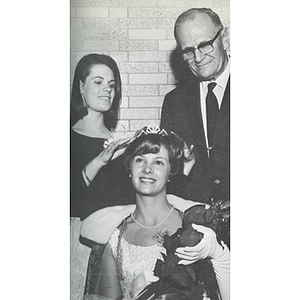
column 138, row 34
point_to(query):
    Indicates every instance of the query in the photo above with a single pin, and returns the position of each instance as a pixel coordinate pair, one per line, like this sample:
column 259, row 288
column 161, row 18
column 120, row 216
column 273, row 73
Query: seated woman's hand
column 208, row 247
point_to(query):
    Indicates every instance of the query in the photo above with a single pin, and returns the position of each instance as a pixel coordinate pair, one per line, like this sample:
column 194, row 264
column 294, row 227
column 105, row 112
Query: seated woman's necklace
column 155, row 226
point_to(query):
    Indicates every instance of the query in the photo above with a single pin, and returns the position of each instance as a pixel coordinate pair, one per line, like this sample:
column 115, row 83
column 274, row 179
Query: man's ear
column 225, row 38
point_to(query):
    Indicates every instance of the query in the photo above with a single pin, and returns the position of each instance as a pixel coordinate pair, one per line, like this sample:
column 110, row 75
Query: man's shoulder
column 182, row 89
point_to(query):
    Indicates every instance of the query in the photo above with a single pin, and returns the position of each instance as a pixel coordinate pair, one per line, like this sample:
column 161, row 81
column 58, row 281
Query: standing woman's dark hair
column 82, row 71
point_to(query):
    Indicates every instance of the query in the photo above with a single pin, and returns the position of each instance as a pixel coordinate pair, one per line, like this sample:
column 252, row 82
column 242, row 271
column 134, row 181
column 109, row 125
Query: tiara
column 151, row 129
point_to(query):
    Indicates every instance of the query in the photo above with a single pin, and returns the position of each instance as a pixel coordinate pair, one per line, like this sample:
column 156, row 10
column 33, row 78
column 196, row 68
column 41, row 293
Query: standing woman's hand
column 112, row 151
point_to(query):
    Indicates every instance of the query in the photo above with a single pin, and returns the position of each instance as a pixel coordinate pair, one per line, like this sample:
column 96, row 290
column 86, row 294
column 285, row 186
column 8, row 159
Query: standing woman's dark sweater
column 110, row 187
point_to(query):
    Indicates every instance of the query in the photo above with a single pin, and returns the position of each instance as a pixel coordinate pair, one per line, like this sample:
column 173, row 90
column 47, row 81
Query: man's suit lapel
column 192, row 102
column 224, row 113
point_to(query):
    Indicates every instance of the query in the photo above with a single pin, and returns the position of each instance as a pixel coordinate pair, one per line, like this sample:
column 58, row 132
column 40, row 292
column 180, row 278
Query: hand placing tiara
column 117, row 136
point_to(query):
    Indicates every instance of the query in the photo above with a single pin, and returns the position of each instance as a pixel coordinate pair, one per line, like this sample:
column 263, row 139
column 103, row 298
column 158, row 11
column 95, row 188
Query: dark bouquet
column 177, row 281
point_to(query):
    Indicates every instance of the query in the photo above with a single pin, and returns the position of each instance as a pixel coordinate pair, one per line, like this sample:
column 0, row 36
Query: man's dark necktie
column 212, row 111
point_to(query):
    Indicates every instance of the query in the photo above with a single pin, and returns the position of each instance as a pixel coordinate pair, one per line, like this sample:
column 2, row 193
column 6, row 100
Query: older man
column 198, row 110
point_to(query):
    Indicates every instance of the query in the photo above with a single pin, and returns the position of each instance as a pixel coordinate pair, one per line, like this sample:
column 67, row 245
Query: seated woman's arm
column 108, row 278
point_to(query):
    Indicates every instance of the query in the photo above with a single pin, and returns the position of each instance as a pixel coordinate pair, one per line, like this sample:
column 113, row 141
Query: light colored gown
column 134, row 259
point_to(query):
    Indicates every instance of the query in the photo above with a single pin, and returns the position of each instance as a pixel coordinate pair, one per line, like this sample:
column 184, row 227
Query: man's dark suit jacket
column 181, row 113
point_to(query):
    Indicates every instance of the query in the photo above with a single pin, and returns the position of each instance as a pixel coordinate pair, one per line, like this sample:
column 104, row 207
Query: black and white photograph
column 150, row 150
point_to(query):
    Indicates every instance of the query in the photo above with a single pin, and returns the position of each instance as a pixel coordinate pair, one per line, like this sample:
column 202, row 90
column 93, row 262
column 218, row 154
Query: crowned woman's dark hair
column 150, row 141
column 82, row 71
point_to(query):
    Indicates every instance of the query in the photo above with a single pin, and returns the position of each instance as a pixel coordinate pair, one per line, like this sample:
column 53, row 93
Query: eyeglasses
column 204, row 48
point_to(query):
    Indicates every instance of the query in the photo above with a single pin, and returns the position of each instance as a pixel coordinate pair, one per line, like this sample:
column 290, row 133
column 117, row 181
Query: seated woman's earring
column 169, row 179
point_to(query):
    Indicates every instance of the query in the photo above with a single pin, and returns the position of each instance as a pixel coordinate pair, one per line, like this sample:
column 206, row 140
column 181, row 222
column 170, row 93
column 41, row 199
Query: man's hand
column 208, row 247
column 189, row 159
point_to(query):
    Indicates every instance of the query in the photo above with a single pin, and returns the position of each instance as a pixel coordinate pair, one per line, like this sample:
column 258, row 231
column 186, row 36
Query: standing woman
column 97, row 175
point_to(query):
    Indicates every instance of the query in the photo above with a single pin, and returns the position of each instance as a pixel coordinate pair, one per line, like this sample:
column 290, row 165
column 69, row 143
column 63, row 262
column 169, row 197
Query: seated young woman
column 127, row 240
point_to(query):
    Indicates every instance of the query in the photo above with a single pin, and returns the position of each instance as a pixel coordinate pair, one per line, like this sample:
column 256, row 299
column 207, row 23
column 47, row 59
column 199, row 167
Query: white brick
column 139, row 124
column 124, row 102
column 118, row 34
column 147, row 34
column 167, row 45
column 72, row 12
column 148, row 79
column 118, row 12
column 163, row 2
column 138, row 45
column 100, row 45
column 166, row 23
column 138, row 23
column 147, row 12
column 81, row 54
column 100, row 23
column 138, row 2
column 124, row 78
column 147, row 56
column 192, row 3
column 140, row 90
column 92, row 12
column 76, row 45
column 89, row 34
column 123, row 125
column 174, row 12
column 126, row 67
column 170, row 33
column 119, row 56
column 95, row 2
column 73, row 63
column 145, row 101
column 76, row 23
column 164, row 67
column 138, row 113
